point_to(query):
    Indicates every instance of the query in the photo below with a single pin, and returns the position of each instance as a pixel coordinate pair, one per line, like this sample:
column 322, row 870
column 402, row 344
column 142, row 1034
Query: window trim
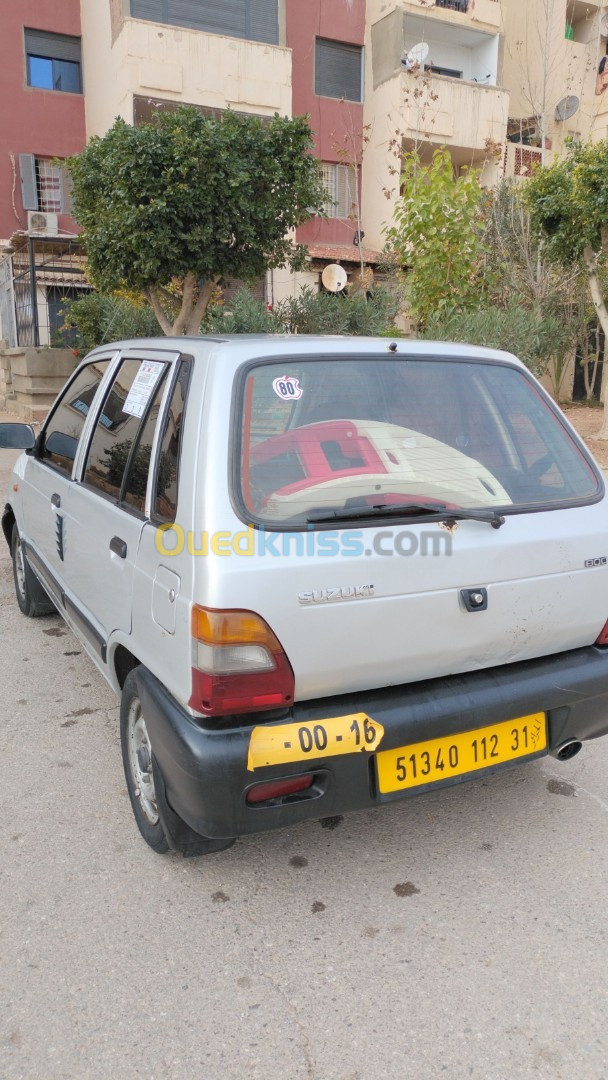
column 235, row 436
column 122, row 502
column 350, row 44
column 31, row 167
column 30, row 50
column 185, row 359
column 333, row 200
column 88, row 362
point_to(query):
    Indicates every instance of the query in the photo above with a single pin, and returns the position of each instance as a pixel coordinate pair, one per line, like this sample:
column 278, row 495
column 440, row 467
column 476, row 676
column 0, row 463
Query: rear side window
column 115, row 448
column 65, row 424
column 330, row 434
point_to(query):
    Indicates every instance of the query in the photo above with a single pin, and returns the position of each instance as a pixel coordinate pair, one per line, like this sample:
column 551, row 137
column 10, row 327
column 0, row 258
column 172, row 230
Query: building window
column 339, row 185
column 338, row 70
column 53, row 61
column 255, row 20
column 45, row 186
column 450, row 73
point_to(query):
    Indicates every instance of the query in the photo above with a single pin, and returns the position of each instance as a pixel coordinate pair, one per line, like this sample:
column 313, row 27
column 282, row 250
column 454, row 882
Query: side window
column 64, row 428
column 136, row 482
column 123, row 413
column 165, row 502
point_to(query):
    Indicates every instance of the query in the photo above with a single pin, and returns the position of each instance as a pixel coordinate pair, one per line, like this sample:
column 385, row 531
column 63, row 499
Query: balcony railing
column 454, row 5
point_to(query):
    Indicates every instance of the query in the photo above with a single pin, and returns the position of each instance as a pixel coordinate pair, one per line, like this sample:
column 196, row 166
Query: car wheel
column 31, row 597
column 137, row 761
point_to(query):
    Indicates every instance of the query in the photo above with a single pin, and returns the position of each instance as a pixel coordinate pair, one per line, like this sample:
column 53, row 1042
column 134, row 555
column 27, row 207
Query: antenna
column 567, row 107
column 334, row 277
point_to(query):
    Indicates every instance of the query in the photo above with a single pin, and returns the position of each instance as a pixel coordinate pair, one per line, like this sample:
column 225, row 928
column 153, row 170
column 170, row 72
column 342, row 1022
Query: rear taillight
column 602, row 639
column 238, row 665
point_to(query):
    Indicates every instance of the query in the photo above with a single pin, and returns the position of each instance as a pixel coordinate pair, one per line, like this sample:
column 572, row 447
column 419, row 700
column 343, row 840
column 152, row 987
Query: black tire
column 31, row 597
column 137, row 762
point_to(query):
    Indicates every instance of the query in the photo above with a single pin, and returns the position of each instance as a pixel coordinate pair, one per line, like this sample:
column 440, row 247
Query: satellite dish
column 334, row 277
column 604, row 25
column 567, row 107
column 416, row 55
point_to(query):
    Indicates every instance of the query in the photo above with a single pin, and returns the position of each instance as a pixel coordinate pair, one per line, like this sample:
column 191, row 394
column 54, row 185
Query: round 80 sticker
column 287, row 388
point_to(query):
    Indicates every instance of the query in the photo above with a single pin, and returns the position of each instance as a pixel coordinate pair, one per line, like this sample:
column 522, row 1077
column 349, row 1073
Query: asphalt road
column 459, row 934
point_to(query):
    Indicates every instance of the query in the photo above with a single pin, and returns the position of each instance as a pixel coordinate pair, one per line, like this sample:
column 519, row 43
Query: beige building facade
column 454, row 97
column 128, row 59
column 503, row 85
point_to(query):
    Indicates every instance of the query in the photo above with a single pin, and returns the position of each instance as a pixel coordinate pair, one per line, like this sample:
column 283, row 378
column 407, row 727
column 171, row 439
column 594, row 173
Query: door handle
column 118, row 547
column 56, row 501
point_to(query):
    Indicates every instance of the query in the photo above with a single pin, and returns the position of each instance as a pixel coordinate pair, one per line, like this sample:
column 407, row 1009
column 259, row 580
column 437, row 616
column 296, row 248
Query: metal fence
column 46, row 271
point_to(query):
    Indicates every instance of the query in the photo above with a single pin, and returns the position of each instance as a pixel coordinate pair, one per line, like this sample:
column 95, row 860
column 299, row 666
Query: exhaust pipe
column 568, row 750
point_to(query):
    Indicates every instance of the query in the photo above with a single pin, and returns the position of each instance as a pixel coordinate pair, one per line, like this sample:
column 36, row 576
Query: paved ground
column 461, row 934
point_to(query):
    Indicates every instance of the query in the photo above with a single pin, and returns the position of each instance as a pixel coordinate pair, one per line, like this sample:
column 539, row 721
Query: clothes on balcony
column 602, row 76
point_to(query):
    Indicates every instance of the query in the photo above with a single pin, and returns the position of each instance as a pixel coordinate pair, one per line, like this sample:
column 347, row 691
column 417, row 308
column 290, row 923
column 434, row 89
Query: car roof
column 242, row 347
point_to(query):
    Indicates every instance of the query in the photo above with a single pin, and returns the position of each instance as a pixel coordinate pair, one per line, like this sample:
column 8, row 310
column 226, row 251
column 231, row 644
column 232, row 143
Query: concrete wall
column 126, row 57
column 47, row 123
column 30, row 379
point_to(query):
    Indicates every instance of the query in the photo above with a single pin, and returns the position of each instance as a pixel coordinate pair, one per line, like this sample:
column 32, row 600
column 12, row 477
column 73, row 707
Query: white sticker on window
column 287, row 388
column 143, row 387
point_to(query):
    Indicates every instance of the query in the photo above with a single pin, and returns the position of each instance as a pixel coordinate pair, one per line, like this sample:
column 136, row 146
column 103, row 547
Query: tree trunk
column 191, row 313
column 601, row 310
column 197, row 314
column 152, row 297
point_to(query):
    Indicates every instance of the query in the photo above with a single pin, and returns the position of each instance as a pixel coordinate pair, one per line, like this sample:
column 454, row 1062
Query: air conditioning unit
column 42, row 223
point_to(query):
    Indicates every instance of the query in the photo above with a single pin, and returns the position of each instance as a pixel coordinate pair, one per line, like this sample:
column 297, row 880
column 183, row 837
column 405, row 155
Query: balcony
column 426, row 111
column 179, row 65
column 441, row 110
column 486, row 13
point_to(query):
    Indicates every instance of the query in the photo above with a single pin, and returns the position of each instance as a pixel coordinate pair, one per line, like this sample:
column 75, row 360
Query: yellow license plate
column 453, row 755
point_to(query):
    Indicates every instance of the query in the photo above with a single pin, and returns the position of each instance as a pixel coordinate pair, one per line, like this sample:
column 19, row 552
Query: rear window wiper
column 410, row 509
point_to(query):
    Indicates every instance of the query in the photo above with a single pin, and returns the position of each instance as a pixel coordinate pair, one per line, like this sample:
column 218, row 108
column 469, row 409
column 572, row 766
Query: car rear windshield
column 324, row 435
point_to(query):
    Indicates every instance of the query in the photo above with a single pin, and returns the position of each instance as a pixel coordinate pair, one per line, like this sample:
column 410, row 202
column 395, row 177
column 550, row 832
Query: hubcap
column 140, row 761
column 20, row 569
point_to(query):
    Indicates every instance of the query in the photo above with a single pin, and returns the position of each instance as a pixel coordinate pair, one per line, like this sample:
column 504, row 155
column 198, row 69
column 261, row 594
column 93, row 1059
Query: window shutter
column 66, row 187
column 263, row 21
column 328, row 176
column 345, row 197
column 52, row 46
column 29, row 189
column 154, row 10
column 257, row 20
column 338, row 70
column 225, row 17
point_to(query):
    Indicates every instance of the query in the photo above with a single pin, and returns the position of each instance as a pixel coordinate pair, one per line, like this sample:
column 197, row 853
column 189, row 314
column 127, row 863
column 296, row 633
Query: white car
column 321, row 574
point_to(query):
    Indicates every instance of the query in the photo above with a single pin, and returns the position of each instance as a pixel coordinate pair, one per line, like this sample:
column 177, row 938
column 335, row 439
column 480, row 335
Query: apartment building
column 433, row 78
column 42, row 119
column 328, row 74
column 500, row 83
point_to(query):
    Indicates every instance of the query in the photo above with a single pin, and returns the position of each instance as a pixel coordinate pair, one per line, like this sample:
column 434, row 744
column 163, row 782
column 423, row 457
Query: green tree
column 568, row 204
column 438, row 234
column 171, row 207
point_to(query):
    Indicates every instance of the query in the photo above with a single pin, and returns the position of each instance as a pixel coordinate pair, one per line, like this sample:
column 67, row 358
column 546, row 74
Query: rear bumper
column 205, row 770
